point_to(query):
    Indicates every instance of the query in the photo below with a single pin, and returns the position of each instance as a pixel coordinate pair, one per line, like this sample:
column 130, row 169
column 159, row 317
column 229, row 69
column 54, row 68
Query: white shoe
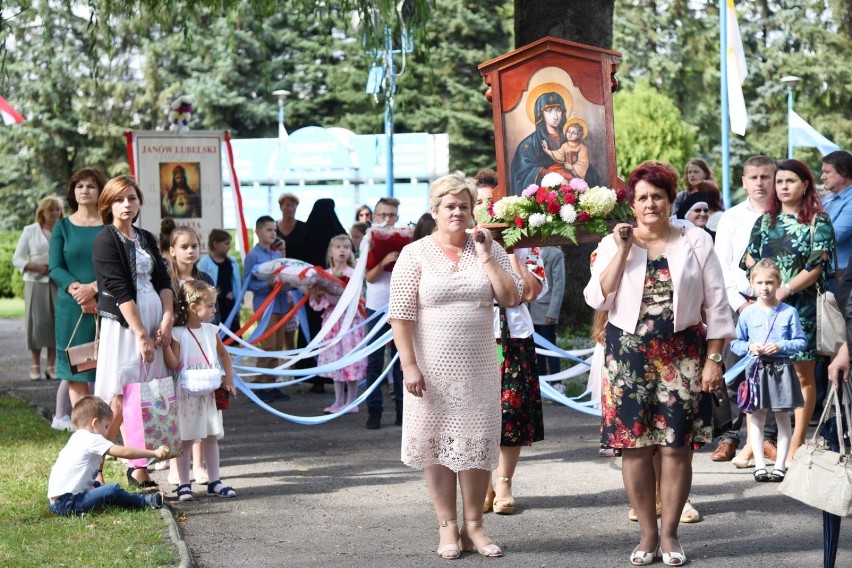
column 62, row 424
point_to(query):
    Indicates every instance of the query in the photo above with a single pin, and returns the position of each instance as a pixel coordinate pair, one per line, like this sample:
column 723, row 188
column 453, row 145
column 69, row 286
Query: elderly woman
column 31, row 258
column 795, row 228
column 442, row 291
column 72, row 270
column 696, row 209
column 668, row 320
column 136, row 303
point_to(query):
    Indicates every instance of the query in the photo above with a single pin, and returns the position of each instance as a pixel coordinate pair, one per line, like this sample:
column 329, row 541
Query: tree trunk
column 583, row 21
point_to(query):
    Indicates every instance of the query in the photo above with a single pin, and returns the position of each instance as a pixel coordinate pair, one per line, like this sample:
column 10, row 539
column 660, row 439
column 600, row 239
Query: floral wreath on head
column 180, row 113
column 557, row 207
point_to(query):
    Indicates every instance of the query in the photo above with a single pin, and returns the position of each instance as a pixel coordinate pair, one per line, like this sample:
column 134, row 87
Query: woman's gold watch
column 715, row 357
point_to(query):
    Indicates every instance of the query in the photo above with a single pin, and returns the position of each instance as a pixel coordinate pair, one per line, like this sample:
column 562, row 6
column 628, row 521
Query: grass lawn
column 11, row 308
column 33, row 536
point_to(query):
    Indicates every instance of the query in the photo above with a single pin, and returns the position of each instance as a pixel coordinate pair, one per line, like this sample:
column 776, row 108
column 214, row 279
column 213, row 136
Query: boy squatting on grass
column 72, row 488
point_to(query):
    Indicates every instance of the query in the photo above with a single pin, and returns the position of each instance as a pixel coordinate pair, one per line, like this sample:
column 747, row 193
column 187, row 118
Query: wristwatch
column 715, row 357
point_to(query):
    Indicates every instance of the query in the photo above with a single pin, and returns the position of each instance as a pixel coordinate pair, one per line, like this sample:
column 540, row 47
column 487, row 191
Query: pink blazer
column 696, row 278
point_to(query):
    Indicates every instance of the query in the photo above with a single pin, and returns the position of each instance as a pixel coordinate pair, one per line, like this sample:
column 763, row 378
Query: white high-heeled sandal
column 642, row 558
column 490, row 550
column 448, row 551
column 674, row 558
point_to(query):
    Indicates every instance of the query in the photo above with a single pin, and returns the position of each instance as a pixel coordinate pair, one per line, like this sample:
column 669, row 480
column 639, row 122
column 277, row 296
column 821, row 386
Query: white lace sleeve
column 405, row 283
column 502, row 259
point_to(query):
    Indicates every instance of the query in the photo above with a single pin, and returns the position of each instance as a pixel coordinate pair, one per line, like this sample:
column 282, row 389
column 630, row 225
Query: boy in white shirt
column 72, row 488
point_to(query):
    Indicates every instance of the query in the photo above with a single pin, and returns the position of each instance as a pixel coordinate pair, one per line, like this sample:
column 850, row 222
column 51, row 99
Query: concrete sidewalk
column 338, row 495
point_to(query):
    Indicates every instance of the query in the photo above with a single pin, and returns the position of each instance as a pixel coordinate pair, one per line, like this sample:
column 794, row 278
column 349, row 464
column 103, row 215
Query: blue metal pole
column 389, row 96
column 726, row 128
column 789, row 116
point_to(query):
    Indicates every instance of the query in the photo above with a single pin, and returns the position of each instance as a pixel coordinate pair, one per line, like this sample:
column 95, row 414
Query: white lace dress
column 457, row 421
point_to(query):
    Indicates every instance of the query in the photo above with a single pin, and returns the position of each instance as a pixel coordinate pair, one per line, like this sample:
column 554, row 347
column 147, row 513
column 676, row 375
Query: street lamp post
column 281, row 94
column 789, row 82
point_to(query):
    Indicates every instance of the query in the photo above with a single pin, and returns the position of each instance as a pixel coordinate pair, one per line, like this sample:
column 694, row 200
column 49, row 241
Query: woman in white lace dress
column 442, row 292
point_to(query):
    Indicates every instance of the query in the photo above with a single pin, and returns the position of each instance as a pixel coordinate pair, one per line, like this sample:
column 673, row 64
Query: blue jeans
column 375, row 366
column 110, row 495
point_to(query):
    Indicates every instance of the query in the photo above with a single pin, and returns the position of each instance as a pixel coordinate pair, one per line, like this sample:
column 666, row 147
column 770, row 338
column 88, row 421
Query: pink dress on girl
column 357, row 370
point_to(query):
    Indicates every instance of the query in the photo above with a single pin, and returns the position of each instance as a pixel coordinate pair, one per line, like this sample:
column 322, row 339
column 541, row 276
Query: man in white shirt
column 732, row 238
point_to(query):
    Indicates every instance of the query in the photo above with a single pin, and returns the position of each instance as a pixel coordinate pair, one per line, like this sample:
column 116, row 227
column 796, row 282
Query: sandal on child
column 219, row 489
column 184, row 492
column 778, row 475
column 761, row 475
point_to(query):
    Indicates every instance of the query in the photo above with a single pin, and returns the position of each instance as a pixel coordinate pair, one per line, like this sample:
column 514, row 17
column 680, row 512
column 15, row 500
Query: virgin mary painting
column 542, row 151
column 531, row 161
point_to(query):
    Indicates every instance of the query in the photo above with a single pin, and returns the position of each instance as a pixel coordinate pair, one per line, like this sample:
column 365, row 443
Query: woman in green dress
column 72, row 270
column 797, row 234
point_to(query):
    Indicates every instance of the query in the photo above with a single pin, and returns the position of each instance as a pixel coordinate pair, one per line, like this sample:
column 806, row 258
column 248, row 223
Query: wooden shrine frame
column 545, row 74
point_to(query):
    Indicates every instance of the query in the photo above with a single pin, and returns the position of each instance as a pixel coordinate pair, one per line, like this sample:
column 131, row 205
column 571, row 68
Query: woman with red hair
column 668, row 320
column 797, row 233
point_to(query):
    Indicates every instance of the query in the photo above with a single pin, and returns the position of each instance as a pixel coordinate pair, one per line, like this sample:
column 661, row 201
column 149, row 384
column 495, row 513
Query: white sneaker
column 62, row 424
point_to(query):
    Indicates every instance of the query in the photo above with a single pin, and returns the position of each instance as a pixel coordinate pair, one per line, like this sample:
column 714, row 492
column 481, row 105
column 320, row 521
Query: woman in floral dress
column 668, row 320
column 797, row 234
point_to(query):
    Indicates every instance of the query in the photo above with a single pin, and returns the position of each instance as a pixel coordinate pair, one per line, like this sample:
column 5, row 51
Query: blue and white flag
column 803, row 134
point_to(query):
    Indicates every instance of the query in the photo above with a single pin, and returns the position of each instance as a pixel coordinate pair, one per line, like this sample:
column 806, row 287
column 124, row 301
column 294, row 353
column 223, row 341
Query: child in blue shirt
column 72, row 489
column 771, row 331
column 268, row 247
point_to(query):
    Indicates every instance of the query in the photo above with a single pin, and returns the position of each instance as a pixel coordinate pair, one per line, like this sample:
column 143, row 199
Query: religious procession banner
column 180, row 175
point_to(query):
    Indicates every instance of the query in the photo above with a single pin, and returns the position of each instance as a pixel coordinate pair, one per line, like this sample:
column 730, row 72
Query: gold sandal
column 504, row 505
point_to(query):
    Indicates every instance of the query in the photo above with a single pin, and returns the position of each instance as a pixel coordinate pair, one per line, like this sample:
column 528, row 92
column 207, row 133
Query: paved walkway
column 337, row 495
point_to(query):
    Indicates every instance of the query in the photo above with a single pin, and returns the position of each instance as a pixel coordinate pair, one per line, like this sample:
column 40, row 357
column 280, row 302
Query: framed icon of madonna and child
column 552, row 109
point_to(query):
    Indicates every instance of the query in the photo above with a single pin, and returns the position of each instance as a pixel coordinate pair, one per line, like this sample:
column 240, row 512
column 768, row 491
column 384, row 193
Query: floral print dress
column 788, row 243
column 651, row 390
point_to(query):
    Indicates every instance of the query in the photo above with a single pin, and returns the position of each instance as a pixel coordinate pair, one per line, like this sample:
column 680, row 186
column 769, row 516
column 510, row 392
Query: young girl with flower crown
column 340, row 260
column 772, row 332
column 196, row 345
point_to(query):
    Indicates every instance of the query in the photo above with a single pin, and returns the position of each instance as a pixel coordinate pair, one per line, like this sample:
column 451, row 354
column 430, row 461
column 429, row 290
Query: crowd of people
column 681, row 294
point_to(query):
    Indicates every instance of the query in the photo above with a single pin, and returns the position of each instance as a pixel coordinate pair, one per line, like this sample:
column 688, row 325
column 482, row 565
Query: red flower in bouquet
column 569, row 197
column 583, row 217
column 553, row 206
column 519, row 222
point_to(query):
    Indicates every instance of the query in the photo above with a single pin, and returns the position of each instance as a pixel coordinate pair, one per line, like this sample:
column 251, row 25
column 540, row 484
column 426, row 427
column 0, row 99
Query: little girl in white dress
column 196, row 345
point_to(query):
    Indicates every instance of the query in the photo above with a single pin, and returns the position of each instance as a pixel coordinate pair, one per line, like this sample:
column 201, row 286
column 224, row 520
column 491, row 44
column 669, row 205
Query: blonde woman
column 442, row 291
column 31, row 258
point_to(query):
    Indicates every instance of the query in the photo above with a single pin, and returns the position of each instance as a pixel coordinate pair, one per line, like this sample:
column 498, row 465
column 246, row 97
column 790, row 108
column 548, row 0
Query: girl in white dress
column 196, row 345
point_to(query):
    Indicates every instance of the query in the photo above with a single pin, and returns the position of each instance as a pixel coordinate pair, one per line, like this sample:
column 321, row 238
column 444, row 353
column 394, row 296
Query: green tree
column 649, row 126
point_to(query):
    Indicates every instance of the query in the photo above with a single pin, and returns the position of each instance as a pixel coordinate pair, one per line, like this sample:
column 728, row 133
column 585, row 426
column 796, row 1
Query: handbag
column 722, row 417
column 159, row 414
column 748, row 393
column 84, row 357
column 223, row 398
column 200, row 382
column 830, row 324
column 820, row 477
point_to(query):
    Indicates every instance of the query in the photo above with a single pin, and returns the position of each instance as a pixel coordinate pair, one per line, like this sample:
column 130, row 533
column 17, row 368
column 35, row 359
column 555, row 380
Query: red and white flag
column 10, row 115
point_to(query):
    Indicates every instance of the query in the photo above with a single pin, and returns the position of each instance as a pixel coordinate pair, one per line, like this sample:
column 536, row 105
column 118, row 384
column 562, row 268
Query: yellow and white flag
column 737, row 73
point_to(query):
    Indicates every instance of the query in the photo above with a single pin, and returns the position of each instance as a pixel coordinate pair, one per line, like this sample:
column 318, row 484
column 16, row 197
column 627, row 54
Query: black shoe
column 149, row 484
column 278, row 394
column 398, row 419
column 374, row 422
column 265, row 396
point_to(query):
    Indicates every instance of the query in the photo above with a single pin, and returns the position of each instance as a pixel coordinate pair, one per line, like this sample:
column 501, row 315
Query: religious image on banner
column 180, row 190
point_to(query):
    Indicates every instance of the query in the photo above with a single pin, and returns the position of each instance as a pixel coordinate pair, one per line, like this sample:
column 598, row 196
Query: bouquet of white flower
column 557, row 207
